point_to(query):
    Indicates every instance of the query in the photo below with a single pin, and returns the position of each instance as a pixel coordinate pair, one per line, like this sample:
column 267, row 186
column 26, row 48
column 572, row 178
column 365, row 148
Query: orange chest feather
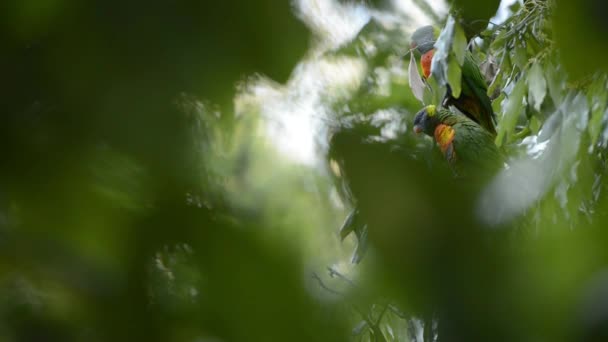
column 425, row 62
column 444, row 135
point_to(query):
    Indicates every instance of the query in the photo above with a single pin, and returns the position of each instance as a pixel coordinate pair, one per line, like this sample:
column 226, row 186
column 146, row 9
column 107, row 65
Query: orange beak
column 417, row 129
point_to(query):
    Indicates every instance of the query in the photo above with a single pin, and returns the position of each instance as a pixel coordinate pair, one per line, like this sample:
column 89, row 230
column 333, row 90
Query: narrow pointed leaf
column 443, row 46
column 361, row 245
column 550, row 126
column 358, row 329
column 460, row 44
column 555, row 83
column 513, row 109
column 416, row 83
column 521, row 57
column 495, row 83
column 597, row 99
column 349, row 224
column 498, row 102
column 454, row 77
column 537, row 86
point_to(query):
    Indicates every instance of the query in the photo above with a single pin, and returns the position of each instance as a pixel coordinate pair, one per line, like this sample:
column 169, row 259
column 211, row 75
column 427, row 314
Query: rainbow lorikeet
column 468, row 148
column 473, row 100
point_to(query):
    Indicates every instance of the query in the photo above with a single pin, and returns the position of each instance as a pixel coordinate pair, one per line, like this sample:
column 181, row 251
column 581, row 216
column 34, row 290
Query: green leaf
column 499, row 41
column 521, row 56
column 537, row 86
column 496, row 82
column 599, row 97
column 349, row 224
column 513, row 109
column 550, row 126
column 515, row 7
column 433, row 91
column 358, row 329
column 555, row 82
column 443, row 46
column 361, row 245
column 534, row 125
column 377, row 334
column 497, row 103
column 416, row 83
column 460, row 44
column 454, row 77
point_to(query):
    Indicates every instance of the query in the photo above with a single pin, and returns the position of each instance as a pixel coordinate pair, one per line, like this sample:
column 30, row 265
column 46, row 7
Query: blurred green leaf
column 443, row 46
column 555, row 79
column 580, row 33
column 416, row 83
column 459, row 47
column 521, row 57
column 497, row 103
column 537, row 86
column 513, row 109
column 349, row 224
column 599, row 101
column 550, row 126
column 454, row 77
column 475, row 13
column 496, row 82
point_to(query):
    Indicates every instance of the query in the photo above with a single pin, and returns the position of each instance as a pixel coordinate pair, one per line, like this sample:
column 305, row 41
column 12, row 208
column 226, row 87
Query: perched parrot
column 473, row 100
column 468, row 148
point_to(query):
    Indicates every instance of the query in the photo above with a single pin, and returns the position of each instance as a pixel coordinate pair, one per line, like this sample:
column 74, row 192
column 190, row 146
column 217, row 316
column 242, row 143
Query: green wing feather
column 473, row 74
column 474, row 101
column 477, row 83
column 476, row 153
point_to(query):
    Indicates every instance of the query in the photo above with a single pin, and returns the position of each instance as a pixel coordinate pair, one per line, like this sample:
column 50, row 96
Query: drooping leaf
column 358, row 329
column 598, row 98
column 513, row 109
column 377, row 335
column 581, row 108
column 499, row 41
column 550, row 126
column 498, row 102
column 521, row 56
column 534, row 125
column 433, row 91
column 443, row 46
column 537, row 86
column 460, row 44
column 349, row 224
column 454, row 77
column 555, row 82
column 416, row 83
column 361, row 245
column 496, row 82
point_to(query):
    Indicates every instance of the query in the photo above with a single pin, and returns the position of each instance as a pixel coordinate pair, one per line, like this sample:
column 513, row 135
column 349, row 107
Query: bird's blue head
column 426, row 120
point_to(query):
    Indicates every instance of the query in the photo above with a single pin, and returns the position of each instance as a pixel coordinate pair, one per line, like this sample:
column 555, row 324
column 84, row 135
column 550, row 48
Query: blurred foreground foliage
column 139, row 199
column 116, row 224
